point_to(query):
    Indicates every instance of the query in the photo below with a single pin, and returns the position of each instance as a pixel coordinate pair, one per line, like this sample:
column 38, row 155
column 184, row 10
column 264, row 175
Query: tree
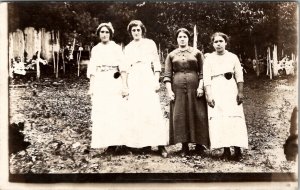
column 248, row 23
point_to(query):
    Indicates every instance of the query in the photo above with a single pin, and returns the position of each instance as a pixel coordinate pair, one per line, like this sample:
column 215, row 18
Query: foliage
column 248, row 23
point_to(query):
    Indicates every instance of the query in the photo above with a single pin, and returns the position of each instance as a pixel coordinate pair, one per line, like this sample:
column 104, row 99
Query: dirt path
column 57, row 123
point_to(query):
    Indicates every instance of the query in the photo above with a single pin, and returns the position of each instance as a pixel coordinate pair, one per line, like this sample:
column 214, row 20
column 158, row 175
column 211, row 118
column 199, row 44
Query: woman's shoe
column 199, row 149
column 122, row 150
column 237, row 154
column 185, row 150
column 162, row 151
column 110, row 150
column 226, row 154
column 146, row 150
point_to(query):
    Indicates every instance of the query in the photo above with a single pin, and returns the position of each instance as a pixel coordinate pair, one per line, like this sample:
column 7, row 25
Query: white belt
column 103, row 68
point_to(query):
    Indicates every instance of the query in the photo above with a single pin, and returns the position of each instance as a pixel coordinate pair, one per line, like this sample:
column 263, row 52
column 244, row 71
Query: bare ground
column 57, row 124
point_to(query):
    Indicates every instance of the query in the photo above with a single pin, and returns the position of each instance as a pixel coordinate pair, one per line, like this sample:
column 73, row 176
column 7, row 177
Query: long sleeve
column 127, row 59
column 200, row 59
column 238, row 70
column 168, row 69
column 206, row 72
column 91, row 69
column 155, row 57
column 120, row 58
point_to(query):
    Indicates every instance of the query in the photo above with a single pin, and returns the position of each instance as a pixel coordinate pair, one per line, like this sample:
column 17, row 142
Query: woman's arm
column 91, row 69
column 156, row 64
column 200, row 59
column 207, row 82
column 168, row 77
column 155, row 57
column 240, row 96
column 238, row 73
column 123, row 69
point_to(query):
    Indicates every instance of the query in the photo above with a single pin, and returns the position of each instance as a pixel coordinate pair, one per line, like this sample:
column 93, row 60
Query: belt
column 186, row 71
column 138, row 63
column 103, row 68
column 228, row 75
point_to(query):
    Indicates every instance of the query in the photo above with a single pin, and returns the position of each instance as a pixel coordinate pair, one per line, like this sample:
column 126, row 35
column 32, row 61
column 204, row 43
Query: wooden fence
column 30, row 42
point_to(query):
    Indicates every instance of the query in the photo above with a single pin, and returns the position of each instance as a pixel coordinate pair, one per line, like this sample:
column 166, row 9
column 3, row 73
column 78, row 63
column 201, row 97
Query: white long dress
column 108, row 106
column 227, row 126
column 147, row 126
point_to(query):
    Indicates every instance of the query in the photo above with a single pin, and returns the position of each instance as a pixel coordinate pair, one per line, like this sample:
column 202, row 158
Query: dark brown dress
column 188, row 113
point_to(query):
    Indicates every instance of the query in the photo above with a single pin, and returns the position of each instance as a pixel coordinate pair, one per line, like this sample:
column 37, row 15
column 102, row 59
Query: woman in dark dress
column 188, row 111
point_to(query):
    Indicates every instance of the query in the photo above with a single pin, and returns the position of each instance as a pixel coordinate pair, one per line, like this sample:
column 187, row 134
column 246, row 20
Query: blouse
column 188, row 60
column 215, row 65
column 144, row 51
column 110, row 54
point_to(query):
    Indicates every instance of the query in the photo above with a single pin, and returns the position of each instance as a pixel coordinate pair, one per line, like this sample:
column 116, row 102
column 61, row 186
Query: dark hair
column 108, row 26
column 184, row 30
column 136, row 23
column 224, row 36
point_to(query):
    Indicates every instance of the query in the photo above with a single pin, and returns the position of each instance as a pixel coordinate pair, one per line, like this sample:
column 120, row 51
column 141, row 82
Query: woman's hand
column 125, row 93
column 170, row 92
column 240, row 95
column 171, row 95
column 91, row 88
column 200, row 92
column 157, row 87
column 240, row 98
column 210, row 101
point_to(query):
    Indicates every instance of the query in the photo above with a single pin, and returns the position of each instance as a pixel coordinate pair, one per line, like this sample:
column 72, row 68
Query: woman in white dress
column 147, row 126
column 108, row 87
column 223, row 81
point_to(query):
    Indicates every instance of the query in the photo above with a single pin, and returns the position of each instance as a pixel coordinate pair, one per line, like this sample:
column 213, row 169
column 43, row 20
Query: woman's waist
column 140, row 63
column 227, row 76
column 185, row 71
column 191, row 77
column 106, row 68
column 185, row 84
column 141, row 67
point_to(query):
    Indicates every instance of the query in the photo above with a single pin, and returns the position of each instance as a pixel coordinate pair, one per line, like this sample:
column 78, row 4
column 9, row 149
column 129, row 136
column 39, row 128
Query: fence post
column 10, row 54
column 38, row 48
column 257, row 61
column 57, row 55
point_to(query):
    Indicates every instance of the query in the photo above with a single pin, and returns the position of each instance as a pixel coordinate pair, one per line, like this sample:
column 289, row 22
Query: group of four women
column 205, row 95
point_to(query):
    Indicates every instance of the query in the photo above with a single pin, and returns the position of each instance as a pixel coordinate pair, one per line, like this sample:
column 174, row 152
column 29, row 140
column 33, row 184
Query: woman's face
column 219, row 44
column 136, row 32
column 182, row 39
column 104, row 35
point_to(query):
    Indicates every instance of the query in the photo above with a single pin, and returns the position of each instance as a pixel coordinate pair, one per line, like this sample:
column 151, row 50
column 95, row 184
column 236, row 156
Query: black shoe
column 185, row 150
column 122, row 150
column 226, row 154
column 146, row 150
column 110, row 150
column 199, row 149
column 237, row 154
column 162, row 151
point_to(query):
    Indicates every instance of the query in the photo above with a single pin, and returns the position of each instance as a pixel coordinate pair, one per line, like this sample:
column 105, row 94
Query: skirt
column 108, row 111
column 147, row 127
column 227, row 126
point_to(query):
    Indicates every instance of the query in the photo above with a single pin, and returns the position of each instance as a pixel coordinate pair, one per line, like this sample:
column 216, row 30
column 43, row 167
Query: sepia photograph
column 152, row 91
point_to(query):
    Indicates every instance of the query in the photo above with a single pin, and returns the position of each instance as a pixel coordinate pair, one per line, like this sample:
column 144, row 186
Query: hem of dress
column 145, row 145
column 231, row 145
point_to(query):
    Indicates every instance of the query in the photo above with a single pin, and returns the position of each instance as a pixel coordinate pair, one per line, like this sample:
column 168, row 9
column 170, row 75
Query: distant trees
column 248, row 23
